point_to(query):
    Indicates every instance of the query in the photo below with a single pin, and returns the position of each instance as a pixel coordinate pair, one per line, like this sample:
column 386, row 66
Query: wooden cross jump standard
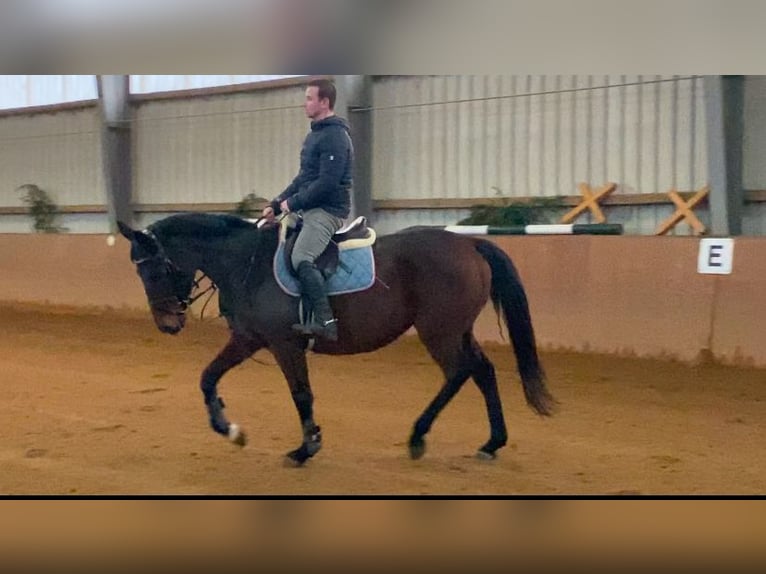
column 684, row 212
column 590, row 201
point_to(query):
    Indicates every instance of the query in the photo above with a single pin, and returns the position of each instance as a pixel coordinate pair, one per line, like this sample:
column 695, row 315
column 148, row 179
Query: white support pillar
column 354, row 101
column 724, row 110
column 114, row 94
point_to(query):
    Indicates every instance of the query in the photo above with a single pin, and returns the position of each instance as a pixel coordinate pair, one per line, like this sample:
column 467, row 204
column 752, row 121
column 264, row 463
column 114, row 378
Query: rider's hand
column 268, row 214
column 284, row 207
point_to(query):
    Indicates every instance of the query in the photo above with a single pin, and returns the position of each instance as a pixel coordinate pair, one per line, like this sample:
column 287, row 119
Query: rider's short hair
column 325, row 89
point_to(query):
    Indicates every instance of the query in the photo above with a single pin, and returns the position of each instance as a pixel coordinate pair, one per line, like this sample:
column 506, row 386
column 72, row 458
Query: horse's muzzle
column 169, row 323
column 170, row 330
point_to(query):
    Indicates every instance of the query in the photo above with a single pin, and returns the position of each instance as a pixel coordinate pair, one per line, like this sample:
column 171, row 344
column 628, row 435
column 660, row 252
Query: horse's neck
column 225, row 260
column 214, row 260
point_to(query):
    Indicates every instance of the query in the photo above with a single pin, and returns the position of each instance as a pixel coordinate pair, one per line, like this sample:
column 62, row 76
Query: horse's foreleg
column 312, row 434
column 292, row 361
column 236, row 350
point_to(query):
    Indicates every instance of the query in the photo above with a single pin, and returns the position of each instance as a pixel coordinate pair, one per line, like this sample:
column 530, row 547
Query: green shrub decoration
column 539, row 210
column 250, row 206
column 42, row 208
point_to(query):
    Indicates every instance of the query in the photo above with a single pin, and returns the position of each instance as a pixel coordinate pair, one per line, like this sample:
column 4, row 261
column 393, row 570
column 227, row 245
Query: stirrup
column 326, row 329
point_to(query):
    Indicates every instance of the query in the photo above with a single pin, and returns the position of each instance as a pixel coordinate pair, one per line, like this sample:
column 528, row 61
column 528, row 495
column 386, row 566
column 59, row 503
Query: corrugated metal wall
column 218, row 148
column 59, row 152
column 754, row 149
column 754, row 153
column 434, row 137
column 754, row 219
column 522, row 136
column 143, row 84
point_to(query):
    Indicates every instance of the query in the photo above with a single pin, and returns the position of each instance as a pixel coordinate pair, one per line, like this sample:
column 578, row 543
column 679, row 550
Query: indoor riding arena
column 651, row 335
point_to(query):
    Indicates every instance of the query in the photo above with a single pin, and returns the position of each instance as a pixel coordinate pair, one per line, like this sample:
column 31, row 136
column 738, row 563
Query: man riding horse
column 321, row 192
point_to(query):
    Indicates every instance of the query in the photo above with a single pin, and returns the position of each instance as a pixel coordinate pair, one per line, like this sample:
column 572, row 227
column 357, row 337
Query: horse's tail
column 507, row 293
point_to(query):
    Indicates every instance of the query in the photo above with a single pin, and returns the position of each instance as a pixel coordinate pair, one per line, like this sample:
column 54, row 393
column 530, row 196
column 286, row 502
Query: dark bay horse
column 433, row 279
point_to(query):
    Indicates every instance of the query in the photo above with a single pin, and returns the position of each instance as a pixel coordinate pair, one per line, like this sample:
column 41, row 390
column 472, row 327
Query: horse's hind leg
column 292, row 360
column 451, row 353
column 460, row 361
column 484, row 377
column 236, row 350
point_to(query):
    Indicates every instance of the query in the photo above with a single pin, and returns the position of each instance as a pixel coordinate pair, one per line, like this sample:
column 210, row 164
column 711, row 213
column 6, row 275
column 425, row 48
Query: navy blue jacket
column 325, row 176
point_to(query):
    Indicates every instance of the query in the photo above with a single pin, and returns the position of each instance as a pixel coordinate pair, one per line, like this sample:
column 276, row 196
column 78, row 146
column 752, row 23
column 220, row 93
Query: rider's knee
column 299, row 258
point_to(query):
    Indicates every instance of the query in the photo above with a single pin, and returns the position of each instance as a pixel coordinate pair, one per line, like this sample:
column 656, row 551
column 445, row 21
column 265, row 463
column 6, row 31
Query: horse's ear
column 146, row 242
column 126, row 231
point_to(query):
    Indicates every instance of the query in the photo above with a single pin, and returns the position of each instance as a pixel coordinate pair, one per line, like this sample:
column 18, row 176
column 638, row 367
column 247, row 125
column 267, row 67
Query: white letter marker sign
column 715, row 256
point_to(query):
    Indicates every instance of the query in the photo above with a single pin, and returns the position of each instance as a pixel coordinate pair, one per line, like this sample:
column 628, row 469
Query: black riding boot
column 312, row 285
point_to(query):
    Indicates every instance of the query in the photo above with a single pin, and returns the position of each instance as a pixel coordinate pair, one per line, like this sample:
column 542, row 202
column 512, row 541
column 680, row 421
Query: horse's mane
column 200, row 225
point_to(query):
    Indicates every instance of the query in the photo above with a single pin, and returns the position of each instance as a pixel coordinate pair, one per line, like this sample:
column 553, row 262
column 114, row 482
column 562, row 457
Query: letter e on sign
column 715, row 256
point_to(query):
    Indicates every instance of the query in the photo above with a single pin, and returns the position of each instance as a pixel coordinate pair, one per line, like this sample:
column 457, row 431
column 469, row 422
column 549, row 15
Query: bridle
column 183, row 301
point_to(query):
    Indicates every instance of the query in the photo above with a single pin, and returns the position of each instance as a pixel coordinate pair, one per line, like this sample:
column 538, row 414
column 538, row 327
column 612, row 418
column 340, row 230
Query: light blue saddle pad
column 356, row 272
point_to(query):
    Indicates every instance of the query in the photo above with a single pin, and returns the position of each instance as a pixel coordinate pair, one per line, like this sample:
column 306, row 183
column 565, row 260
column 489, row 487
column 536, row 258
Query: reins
column 260, row 222
column 171, row 266
column 212, row 288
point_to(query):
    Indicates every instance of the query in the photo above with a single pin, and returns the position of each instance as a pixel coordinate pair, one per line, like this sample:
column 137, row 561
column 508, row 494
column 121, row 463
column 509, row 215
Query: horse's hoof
column 485, row 455
column 237, row 435
column 417, row 448
column 290, row 462
column 296, row 458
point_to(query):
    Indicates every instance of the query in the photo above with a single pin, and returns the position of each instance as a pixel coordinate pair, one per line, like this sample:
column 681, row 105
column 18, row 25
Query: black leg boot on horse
column 323, row 324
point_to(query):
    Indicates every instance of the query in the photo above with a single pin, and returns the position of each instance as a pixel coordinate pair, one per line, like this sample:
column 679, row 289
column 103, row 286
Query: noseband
column 183, row 302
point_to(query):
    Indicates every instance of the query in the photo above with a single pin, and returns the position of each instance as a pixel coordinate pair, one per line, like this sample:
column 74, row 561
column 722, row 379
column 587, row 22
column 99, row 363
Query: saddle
column 355, row 234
